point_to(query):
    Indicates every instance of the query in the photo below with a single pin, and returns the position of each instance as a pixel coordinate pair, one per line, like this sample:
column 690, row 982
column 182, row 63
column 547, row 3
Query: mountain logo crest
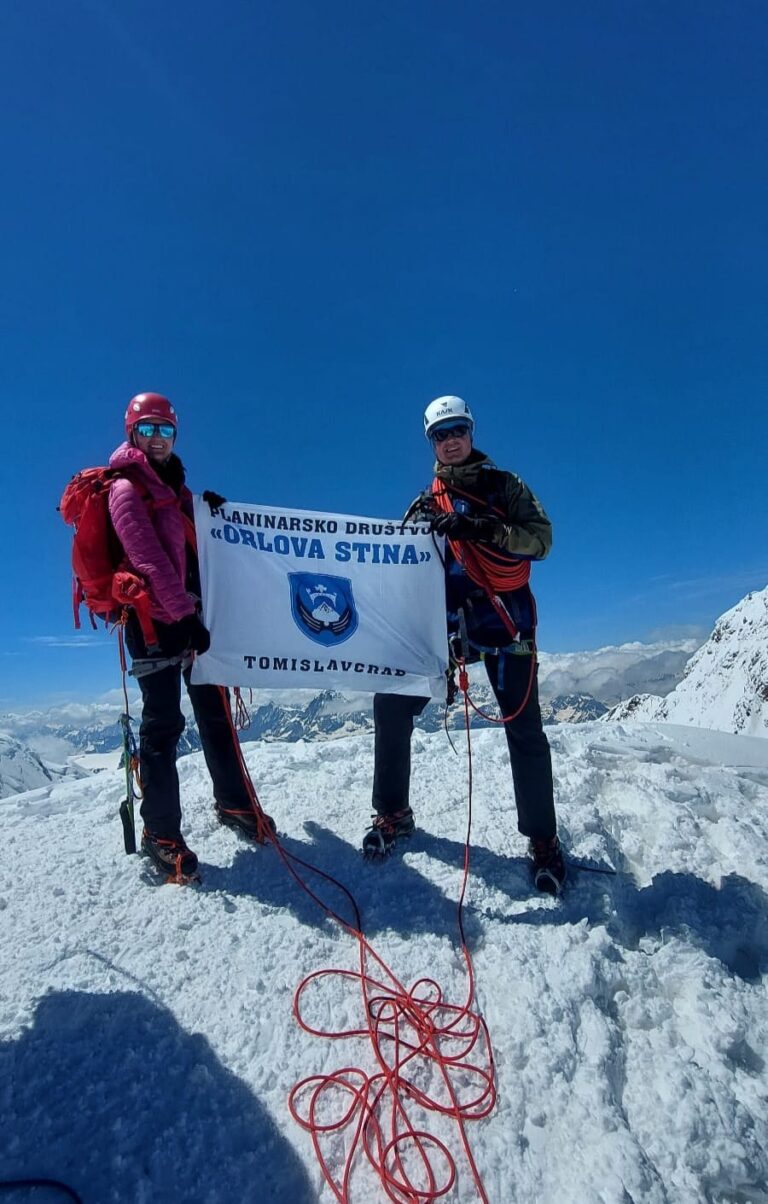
column 323, row 607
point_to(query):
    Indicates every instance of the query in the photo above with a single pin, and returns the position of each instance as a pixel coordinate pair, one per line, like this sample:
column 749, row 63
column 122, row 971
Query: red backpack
column 101, row 579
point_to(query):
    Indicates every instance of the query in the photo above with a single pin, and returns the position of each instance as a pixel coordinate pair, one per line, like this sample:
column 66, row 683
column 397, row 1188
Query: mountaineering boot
column 170, row 857
column 256, row 827
column 385, row 831
column 548, row 865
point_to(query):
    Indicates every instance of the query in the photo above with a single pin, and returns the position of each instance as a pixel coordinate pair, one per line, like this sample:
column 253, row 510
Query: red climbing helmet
column 149, row 407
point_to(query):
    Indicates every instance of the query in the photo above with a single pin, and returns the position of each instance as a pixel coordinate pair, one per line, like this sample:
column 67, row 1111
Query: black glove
column 214, row 500
column 183, row 635
column 464, row 526
column 199, row 635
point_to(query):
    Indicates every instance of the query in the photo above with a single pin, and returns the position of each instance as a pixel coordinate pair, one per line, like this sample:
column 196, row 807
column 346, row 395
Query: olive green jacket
column 525, row 530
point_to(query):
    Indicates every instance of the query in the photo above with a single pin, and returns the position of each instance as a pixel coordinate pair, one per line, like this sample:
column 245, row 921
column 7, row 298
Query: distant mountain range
column 725, row 684
column 330, row 714
column 40, row 745
column 574, row 688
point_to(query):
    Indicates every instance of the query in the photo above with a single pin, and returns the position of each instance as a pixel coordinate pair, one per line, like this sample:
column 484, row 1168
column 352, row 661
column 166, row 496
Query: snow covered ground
column 93, row 762
column 147, row 1042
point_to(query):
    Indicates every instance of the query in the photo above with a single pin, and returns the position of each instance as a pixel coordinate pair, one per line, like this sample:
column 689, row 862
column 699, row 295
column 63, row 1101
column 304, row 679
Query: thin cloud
column 742, row 582
column 65, row 641
column 678, row 631
column 702, row 587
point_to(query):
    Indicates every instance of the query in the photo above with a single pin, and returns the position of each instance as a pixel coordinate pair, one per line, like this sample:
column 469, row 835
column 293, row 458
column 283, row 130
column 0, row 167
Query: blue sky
column 302, row 221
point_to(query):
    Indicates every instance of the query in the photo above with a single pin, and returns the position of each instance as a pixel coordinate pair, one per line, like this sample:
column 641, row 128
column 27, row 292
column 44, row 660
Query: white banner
column 320, row 601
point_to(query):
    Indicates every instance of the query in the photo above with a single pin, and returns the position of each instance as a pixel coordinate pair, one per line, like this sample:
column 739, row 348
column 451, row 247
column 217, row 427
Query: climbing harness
column 145, row 666
column 461, row 652
column 487, row 567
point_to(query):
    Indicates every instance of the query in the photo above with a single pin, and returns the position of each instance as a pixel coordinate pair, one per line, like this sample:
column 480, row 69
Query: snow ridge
column 725, row 684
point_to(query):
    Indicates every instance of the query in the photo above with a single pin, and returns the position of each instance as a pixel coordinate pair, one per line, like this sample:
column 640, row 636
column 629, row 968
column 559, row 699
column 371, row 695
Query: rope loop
column 464, row 687
column 421, row 1045
column 432, row 1056
column 242, row 718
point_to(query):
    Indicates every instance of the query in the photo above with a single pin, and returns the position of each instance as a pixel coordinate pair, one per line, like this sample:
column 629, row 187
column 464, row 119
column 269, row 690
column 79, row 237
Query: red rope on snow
column 413, row 1032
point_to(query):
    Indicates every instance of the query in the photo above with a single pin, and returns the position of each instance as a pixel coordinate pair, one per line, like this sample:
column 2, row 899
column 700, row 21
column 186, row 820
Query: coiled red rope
column 491, row 569
column 431, row 1056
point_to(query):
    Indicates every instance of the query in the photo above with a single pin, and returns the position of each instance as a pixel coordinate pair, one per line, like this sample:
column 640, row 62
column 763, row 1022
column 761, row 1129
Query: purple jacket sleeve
column 133, row 525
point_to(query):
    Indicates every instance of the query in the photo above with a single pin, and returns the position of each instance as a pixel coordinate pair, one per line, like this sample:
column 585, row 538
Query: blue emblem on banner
column 323, row 607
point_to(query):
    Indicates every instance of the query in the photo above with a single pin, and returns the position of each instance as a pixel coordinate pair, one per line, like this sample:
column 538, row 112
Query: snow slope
column 725, row 685
column 147, row 1043
column 22, row 769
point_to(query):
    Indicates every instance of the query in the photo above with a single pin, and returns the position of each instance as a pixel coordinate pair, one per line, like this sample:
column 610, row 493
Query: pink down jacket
column 152, row 536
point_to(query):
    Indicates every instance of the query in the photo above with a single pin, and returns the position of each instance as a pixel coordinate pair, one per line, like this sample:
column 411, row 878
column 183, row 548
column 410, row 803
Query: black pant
column 529, row 753
column 161, row 726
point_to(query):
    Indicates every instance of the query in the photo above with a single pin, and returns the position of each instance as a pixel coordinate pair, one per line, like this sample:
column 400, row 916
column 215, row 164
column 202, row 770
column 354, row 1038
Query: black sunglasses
column 449, row 432
column 166, row 430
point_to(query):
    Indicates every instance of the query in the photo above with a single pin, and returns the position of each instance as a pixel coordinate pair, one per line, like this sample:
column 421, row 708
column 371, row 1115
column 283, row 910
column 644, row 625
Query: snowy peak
column 22, row 769
column 725, row 684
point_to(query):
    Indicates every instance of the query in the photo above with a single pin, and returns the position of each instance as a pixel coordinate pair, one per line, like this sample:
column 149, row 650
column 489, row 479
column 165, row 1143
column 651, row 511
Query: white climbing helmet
column 447, row 411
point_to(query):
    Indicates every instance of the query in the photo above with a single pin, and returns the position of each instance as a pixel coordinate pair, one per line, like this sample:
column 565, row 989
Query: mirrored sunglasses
column 166, row 430
column 458, row 431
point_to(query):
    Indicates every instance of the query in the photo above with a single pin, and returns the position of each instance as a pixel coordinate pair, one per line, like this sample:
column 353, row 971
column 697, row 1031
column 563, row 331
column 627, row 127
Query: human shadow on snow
column 729, row 922
column 511, row 875
column 392, row 895
column 109, row 1094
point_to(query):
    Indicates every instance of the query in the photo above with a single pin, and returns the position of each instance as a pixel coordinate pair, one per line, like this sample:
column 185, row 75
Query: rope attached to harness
column 265, row 833
column 490, row 568
column 464, row 687
column 487, row 567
